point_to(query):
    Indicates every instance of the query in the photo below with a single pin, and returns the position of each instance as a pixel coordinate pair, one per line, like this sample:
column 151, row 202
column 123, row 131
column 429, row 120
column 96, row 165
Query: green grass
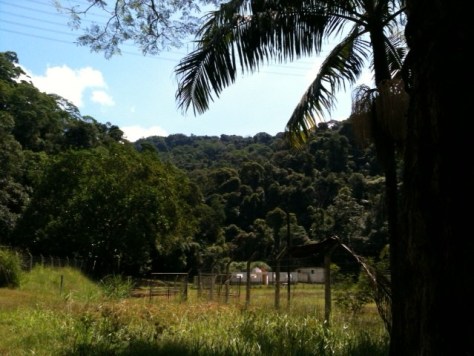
column 79, row 317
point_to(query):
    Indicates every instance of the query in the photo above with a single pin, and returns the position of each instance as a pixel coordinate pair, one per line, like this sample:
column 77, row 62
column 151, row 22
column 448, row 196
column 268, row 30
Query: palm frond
column 342, row 66
column 391, row 107
column 387, row 104
column 247, row 35
column 212, row 66
column 396, row 51
column 363, row 101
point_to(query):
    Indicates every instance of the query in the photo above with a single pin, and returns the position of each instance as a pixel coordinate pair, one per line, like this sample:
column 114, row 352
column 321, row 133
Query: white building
column 311, row 275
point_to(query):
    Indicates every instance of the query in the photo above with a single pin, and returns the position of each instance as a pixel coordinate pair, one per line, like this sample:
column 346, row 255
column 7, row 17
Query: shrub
column 351, row 297
column 10, row 268
column 116, row 286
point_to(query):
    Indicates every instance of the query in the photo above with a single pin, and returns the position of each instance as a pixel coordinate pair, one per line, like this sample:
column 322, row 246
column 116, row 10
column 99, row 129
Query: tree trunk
column 433, row 284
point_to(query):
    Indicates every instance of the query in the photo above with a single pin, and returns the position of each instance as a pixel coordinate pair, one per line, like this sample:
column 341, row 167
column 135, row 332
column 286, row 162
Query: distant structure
column 302, row 275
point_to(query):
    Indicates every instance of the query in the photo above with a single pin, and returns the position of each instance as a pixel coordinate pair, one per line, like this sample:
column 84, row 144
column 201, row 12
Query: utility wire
column 69, row 34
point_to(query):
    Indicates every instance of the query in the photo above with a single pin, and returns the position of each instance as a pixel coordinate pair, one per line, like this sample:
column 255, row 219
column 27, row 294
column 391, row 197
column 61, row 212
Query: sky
column 137, row 92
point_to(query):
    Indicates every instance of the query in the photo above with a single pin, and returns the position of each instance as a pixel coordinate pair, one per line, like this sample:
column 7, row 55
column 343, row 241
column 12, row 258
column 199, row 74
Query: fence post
column 199, row 284
column 186, row 287
column 31, row 260
column 212, row 285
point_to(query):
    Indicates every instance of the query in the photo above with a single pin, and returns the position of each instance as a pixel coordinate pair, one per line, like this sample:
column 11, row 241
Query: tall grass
column 10, row 268
column 79, row 317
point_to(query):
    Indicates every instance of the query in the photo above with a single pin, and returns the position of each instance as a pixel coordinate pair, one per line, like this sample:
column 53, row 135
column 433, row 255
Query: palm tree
column 247, row 34
column 250, row 33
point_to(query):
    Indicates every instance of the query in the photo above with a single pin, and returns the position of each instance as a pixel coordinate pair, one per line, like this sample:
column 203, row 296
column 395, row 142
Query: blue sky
column 136, row 92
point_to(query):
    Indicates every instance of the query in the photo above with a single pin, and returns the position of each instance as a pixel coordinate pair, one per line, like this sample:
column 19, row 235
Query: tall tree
column 249, row 33
column 112, row 206
column 434, row 285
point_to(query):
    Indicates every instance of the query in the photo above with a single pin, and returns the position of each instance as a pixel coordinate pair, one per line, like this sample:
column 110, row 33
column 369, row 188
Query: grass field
column 61, row 312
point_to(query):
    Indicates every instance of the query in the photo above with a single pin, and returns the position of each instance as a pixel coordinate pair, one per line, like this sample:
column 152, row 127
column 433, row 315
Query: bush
column 351, row 296
column 116, row 286
column 10, row 268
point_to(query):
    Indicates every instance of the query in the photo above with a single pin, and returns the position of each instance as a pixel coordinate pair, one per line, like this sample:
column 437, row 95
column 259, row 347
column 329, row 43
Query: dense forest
column 73, row 187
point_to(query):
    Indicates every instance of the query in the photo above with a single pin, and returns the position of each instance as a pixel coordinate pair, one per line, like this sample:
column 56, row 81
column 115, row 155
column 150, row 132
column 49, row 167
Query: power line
column 52, row 13
column 38, row 28
column 35, row 36
column 159, row 58
column 34, row 19
column 72, row 43
column 61, row 32
column 32, row 9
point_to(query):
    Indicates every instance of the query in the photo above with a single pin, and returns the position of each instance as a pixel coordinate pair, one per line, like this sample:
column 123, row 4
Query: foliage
column 340, row 195
column 244, row 35
column 33, row 125
column 175, row 203
column 117, row 286
column 112, row 206
column 351, row 297
column 153, row 26
column 10, row 268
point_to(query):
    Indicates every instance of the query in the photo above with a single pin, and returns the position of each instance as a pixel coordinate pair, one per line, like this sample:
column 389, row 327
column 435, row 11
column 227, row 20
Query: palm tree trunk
column 386, row 154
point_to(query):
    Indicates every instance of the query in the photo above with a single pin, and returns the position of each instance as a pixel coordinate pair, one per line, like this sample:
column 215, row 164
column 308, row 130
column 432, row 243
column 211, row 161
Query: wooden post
column 277, row 285
column 185, row 294
column 247, row 289
column 327, row 287
column 288, row 246
column 199, row 284
column 327, row 283
column 227, row 282
column 212, row 286
column 247, row 295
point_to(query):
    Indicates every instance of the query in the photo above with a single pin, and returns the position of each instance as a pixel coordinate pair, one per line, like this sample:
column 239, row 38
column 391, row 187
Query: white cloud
column 102, row 98
column 72, row 83
column 134, row 133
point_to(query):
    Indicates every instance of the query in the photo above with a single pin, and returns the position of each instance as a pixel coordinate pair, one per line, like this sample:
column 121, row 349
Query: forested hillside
column 73, row 187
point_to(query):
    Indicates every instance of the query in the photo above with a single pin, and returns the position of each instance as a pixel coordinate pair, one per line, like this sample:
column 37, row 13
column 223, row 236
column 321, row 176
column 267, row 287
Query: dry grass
column 44, row 317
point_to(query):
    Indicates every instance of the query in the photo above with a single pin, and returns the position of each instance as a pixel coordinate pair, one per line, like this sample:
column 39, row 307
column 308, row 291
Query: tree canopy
column 151, row 25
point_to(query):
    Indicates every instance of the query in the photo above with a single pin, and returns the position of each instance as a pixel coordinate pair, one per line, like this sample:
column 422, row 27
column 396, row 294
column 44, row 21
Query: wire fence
column 29, row 261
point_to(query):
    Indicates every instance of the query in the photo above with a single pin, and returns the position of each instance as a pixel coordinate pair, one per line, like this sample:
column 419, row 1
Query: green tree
column 252, row 174
column 13, row 195
column 348, row 217
column 46, row 122
column 277, row 219
column 112, row 206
